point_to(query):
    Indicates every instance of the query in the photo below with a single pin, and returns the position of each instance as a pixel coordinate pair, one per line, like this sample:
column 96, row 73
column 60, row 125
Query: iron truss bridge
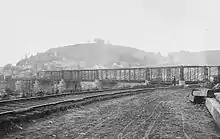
column 189, row 74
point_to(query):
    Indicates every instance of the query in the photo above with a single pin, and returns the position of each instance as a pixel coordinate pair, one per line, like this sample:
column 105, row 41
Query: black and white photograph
column 110, row 69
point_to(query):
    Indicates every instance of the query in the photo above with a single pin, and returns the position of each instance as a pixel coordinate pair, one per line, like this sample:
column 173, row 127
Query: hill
column 91, row 55
column 102, row 55
column 211, row 57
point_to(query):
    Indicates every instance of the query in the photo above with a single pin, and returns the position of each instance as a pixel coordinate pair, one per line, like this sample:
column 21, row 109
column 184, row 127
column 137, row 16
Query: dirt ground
column 158, row 114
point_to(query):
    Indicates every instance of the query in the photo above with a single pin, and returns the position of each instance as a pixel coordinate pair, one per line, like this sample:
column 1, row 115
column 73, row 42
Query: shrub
column 36, row 87
column 62, row 86
column 18, row 86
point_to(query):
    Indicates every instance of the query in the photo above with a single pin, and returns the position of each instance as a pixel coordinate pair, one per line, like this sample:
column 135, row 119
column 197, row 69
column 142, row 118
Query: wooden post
column 106, row 75
column 218, row 74
column 62, row 76
column 115, row 75
column 124, row 74
column 119, row 75
column 101, row 75
column 88, row 75
column 129, row 74
column 147, row 74
column 78, row 75
column 139, row 74
column 134, row 71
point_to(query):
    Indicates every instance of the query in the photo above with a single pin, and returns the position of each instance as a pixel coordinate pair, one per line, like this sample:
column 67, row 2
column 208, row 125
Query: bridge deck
column 164, row 74
column 162, row 113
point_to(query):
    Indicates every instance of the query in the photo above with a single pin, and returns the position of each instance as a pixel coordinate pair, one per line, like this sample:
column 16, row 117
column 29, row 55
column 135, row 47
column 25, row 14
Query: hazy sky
column 150, row 25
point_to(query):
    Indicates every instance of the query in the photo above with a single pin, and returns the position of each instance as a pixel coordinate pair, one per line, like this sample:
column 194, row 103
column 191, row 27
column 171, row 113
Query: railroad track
column 12, row 106
column 16, row 111
column 67, row 93
column 15, row 104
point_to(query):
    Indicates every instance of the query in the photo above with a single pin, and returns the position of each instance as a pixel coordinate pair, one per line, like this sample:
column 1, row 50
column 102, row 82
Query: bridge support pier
column 206, row 73
column 182, row 81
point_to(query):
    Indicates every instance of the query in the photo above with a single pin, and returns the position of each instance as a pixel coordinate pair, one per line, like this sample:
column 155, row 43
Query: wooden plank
column 214, row 108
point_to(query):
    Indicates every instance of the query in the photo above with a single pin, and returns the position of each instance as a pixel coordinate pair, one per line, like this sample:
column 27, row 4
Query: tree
column 8, row 67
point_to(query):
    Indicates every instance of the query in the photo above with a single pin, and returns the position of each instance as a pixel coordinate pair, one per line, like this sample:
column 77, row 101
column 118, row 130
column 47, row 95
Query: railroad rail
column 18, row 111
column 67, row 93
column 21, row 105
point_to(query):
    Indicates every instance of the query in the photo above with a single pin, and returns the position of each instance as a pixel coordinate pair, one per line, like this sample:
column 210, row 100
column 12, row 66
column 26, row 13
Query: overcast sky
column 150, row 25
